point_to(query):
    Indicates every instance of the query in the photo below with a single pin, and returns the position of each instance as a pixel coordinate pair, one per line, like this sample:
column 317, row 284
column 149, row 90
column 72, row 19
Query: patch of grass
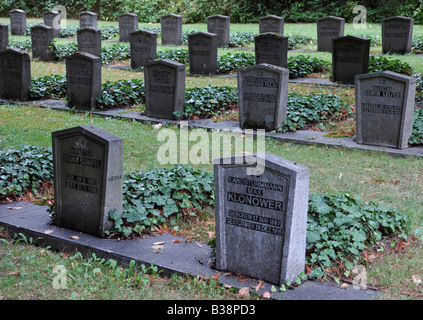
column 31, row 272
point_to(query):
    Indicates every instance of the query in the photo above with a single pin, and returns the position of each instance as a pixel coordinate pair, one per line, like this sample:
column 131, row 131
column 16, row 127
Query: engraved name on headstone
column 88, row 175
column 261, row 221
column 164, row 89
column 385, row 104
column 271, row 23
column 262, row 96
column 271, row 48
column 128, row 22
column 87, row 19
column 350, row 57
column 143, row 47
column 89, row 40
column 219, row 25
column 171, row 29
column 397, row 34
column 328, row 28
column 17, row 22
column 202, row 48
column 83, row 80
column 15, row 74
column 41, row 38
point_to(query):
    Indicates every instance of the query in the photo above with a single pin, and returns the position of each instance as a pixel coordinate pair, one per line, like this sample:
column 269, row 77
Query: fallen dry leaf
column 14, row 208
column 159, row 243
column 244, row 292
column 74, row 237
column 158, row 126
column 344, row 286
column 158, row 247
column 416, row 279
column 266, row 295
column 198, row 244
column 176, row 241
column 48, row 231
column 259, row 286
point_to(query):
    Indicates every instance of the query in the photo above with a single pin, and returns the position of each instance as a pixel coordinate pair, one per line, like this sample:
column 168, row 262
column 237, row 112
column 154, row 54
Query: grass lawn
column 27, row 271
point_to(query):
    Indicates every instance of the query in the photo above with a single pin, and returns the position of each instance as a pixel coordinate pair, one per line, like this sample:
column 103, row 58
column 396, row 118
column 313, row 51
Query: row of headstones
column 261, row 211
column 384, row 101
column 397, row 31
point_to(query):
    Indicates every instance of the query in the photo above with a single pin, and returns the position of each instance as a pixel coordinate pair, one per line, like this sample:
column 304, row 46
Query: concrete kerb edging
column 178, row 257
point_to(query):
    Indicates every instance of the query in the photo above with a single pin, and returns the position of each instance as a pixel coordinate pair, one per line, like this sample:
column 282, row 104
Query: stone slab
column 179, row 257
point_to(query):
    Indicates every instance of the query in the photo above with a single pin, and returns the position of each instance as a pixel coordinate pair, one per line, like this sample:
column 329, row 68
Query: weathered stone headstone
column 41, row 38
column 17, row 22
column 89, row 40
column 271, row 48
column 397, row 34
column 262, row 96
column 328, row 28
column 350, row 57
column 261, row 221
column 87, row 19
column 15, row 74
column 83, row 80
column 52, row 19
column 271, row 23
column 202, row 48
column 219, row 25
column 4, row 36
column 384, row 109
column 128, row 22
column 171, row 29
column 88, row 172
column 143, row 46
column 164, row 89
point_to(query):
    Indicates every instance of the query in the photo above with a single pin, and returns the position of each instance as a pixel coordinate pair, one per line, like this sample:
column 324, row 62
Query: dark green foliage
column 416, row 137
column 294, row 41
column 179, row 55
column 301, row 66
column 61, row 51
column 18, row 44
column 340, row 226
column 208, row 101
column 53, row 86
column 233, row 61
column 121, row 93
column 24, row 170
column 311, row 108
column 152, row 197
column 383, row 63
column 115, row 52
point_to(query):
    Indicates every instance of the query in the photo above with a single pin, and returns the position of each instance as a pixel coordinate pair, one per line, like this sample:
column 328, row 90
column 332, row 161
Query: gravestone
column 271, row 23
column 143, row 46
column 41, row 38
column 4, row 36
column 89, row 40
column 164, row 89
column 202, row 49
column 328, row 28
column 17, row 22
column 397, row 34
column 350, row 57
column 52, row 19
column 262, row 96
column 261, row 220
column 171, row 29
column 87, row 19
column 83, row 80
column 271, row 48
column 384, row 109
column 88, row 172
column 128, row 22
column 15, row 74
column 219, row 25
